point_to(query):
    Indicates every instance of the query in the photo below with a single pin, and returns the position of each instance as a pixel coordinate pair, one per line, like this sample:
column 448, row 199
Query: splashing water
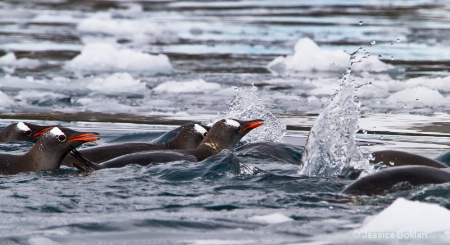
column 331, row 147
column 247, row 106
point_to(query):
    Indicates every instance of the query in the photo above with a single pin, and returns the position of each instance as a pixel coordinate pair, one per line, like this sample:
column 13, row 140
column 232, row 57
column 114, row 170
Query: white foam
column 404, row 216
column 309, row 57
column 106, row 57
column 56, row 131
column 22, row 126
column 200, row 129
column 275, row 218
column 117, row 83
column 232, row 122
column 194, row 86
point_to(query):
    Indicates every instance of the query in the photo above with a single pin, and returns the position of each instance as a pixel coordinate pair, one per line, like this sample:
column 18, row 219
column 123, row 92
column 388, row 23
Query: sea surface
column 133, row 70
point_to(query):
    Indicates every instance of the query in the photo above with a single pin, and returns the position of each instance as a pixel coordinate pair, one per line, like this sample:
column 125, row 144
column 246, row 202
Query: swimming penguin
column 21, row 131
column 398, row 158
column 224, row 134
column 47, row 153
column 386, row 179
column 188, row 137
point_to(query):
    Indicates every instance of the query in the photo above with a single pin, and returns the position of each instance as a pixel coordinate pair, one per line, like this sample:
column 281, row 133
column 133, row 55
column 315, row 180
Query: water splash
column 247, row 106
column 331, row 147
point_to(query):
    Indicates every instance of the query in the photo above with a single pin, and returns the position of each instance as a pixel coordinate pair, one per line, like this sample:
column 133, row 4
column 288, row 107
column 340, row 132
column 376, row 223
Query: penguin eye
column 28, row 132
column 239, row 129
column 61, row 137
column 204, row 134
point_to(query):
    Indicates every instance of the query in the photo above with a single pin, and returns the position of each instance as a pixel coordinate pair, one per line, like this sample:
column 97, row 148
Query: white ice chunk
column 106, row 57
column 274, row 218
column 194, row 86
column 422, row 95
column 117, row 83
column 10, row 60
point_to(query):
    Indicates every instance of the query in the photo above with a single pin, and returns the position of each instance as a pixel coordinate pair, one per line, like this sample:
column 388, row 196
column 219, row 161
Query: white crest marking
column 56, row 131
column 200, row 129
column 232, row 122
column 23, row 127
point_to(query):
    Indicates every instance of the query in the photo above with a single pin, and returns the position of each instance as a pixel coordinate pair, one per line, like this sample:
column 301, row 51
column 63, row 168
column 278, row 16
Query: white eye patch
column 23, row 127
column 201, row 130
column 56, row 131
column 232, row 122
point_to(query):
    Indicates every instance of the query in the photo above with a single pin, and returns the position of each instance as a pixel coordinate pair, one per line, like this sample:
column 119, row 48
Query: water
column 214, row 47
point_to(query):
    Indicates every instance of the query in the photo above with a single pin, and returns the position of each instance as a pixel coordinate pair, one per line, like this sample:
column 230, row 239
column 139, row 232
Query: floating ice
column 274, row 218
column 409, row 216
column 309, row 57
column 117, row 83
column 248, row 106
column 331, row 145
column 106, row 57
column 194, row 86
column 422, row 95
column 10, row 60
column 133, row 30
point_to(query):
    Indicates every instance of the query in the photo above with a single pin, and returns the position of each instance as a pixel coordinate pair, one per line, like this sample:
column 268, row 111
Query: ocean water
column 133, row 70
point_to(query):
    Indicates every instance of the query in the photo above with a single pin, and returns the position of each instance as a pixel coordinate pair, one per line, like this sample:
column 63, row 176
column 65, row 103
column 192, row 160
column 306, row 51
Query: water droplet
column 381, row 137
column 398, row 40
column 360, row 23
column 392, row 57
column 380, row 56
column 373, row 42
column 392, row 43
column 331, row 207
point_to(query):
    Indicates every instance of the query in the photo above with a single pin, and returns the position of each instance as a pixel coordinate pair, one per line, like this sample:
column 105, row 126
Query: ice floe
column 10, row 60
column 309, row 57
column 274, row 218
column 193, row 86
column 145, row 31
column 117, row 83
column 106, row 57
column 404, row 216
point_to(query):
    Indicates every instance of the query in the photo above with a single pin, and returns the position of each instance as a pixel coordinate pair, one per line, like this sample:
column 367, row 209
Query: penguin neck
column 206, row 149
column 41, row 158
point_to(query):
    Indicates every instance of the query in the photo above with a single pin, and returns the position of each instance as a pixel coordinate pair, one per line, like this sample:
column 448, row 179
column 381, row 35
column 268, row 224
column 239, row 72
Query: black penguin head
column 65, row 138
column 226, row 133
column 189, row 137
column 18, row 132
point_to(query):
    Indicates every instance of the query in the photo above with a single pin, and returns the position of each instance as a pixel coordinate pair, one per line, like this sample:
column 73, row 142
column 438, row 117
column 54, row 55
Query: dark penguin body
column 47, row 153
column 399, row 158
column 224, row 134
column 21, row 131
column 188, row 137
column 384, row 180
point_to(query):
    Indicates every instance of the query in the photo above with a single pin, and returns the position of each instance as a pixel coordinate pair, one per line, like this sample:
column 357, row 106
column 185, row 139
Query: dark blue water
column 254, row 194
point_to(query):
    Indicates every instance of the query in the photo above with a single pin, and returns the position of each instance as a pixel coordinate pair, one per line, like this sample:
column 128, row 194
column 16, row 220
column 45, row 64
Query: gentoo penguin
column 384, row 180
column 47, row 153
column 188, row 137
column 20, row 131
column 224, row 134
column 398, row 158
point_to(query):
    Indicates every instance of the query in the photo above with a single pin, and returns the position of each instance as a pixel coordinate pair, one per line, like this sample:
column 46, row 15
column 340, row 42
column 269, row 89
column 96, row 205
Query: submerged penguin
column 188, row 137
column 21, row 131
column 387, row 179
column 224, row 134
column 398, row 158
column 47, row 153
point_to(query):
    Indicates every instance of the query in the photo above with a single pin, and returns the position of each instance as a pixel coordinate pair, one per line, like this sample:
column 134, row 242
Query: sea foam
column 193, row 86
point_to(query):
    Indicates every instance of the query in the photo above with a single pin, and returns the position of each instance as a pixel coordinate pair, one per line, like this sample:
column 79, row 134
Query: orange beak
column 253, row 124
column 87, row 137
column 42, row 131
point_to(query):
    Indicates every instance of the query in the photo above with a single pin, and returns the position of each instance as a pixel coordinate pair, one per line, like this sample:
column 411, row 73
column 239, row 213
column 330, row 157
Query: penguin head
column 189, row 137
column 66, row 138
column 226, row 133
column 17, row 132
